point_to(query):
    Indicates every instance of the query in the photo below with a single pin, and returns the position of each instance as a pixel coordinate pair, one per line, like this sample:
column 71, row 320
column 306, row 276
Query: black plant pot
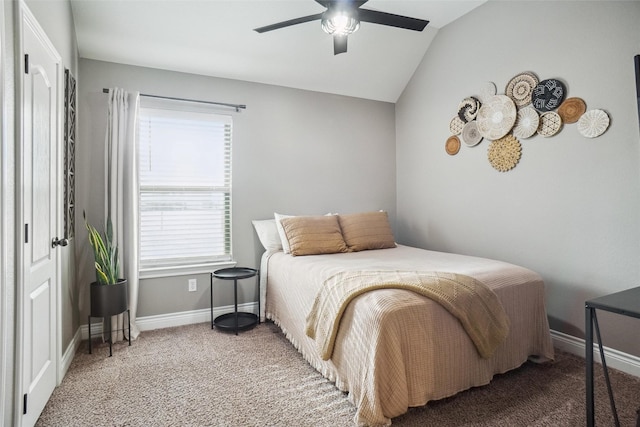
column 109, row 300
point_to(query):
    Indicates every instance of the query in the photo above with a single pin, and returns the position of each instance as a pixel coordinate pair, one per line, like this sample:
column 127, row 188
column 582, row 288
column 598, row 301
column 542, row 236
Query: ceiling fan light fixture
column 340, row 23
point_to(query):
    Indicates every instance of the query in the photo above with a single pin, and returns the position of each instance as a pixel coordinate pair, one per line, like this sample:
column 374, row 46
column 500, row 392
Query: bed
column 395, row 348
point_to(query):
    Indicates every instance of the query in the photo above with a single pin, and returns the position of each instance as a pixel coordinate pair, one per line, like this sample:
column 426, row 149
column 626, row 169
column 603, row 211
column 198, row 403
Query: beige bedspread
column 416, row 350
column 475, row 305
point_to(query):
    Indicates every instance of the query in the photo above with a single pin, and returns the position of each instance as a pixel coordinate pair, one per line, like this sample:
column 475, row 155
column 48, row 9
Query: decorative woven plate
column 487, row 91
column 453, row 145
column 571, row 110
column 550, row 124
column 468, row 109
column 593, row 123
column 504, row 153
column 456, row 125
column 521, row 87
column 496, row 117
column 548, row 95
column 527, row 122
column 470, row 134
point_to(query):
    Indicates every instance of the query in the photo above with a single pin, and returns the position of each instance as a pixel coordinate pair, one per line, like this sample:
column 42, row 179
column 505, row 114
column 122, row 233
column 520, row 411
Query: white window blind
column 185, row 184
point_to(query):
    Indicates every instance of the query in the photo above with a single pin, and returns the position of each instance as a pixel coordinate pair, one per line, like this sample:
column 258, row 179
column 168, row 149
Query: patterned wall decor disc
column 593, row 123
column 470, row 134
column 504, row 153
column 456, row 125
column 453, row 145
column 548, row 95
column 496, row 117
column 571, row 110
column 487, row 91
column 550, row 124
column 521, row 87
column 468, row 109
column 527, row 122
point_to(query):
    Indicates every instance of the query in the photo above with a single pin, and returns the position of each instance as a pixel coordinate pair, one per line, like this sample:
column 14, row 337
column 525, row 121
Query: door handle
column 59, row 242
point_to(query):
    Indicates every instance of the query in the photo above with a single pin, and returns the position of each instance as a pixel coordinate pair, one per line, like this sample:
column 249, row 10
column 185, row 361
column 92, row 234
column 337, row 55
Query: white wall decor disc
column 470, row 134
column 497, row 117
column 487, row 91
column 504, row 153
column 550, row 124
column 521, row 87
column 455, row 125
column 593, row 123
column 468, row 109
column 527, row 122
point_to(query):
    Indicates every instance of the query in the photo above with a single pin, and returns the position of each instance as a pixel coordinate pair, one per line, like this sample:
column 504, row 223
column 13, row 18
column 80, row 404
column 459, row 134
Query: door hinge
column 26, row 233
column 24, row 405
column 26, row 63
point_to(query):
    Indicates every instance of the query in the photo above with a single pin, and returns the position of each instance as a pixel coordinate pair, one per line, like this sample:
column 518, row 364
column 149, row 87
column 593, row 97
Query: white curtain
column 121, row 195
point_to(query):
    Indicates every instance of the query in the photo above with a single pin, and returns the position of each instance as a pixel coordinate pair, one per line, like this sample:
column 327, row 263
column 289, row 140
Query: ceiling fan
column 343, row 17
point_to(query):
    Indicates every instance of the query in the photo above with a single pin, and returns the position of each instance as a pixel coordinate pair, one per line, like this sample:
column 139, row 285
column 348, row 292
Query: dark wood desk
column 625, row 303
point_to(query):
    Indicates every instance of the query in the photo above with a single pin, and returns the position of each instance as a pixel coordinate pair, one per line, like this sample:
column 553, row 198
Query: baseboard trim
column 615, row 359
column 68, row 355
column 161, row 321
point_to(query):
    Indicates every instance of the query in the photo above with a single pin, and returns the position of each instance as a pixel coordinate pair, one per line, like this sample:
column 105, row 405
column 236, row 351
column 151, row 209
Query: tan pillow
column 313, row 235
column 369, row 230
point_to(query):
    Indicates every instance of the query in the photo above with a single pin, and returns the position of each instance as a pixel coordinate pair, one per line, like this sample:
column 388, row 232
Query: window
column 185, row 184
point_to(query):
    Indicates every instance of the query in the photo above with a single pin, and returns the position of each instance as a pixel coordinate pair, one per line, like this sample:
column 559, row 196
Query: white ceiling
column 216, row 38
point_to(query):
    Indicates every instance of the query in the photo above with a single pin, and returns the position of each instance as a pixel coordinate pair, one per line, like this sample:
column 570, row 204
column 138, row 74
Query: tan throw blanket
column 475, row 305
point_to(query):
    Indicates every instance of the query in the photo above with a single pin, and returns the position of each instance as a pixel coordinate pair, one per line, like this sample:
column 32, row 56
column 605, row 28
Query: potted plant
column 109, row 293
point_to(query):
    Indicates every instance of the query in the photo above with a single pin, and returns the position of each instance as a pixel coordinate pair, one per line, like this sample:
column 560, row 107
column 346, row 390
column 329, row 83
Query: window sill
column 186, row 270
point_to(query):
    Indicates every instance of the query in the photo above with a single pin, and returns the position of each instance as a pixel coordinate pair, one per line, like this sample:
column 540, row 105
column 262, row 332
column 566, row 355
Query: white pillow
column 268, row 234
column 281, row 233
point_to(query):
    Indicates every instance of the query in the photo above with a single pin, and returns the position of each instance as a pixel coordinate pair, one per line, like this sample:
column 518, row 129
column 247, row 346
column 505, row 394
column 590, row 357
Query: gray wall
column 570, row 209
column 294, row 152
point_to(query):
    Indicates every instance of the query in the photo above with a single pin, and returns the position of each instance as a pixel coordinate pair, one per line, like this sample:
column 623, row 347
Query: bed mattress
column 397, row 349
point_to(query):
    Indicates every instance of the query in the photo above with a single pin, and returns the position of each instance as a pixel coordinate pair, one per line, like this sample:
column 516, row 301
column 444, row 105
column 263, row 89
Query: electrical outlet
column 193, row 285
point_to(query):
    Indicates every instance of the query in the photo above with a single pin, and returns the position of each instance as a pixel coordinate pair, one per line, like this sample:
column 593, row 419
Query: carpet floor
column 194, row 376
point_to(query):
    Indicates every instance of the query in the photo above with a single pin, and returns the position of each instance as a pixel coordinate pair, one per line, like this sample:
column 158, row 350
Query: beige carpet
column 195, row 376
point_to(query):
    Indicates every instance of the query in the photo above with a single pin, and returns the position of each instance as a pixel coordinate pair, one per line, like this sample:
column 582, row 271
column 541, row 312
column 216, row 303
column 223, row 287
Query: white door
column 39, row 204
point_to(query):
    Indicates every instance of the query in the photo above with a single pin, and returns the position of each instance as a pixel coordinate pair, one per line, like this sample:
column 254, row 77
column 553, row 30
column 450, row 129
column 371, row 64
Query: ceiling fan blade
column 389, row 19
column 288, row 23
column 339, row 44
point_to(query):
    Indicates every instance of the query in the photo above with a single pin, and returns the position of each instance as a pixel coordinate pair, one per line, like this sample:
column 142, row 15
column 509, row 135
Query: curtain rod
column 224, row 104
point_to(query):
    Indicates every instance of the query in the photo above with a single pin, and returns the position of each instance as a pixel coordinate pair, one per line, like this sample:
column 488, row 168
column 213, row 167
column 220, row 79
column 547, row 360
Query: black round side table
column 236, row 321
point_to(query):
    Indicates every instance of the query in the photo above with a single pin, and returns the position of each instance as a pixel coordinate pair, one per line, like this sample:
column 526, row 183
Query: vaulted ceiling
column 216, row 38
